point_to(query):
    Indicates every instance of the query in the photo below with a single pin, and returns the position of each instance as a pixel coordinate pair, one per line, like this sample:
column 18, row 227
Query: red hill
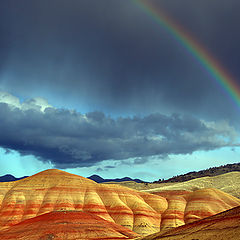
column 69, row 225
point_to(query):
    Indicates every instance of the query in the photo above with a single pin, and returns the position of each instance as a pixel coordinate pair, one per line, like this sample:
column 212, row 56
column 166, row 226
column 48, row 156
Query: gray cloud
column 99, row 169
column 140, row 160
column 71, row 139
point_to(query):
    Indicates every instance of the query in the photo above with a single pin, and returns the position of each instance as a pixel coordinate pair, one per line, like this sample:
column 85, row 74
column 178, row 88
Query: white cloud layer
column 38, row 103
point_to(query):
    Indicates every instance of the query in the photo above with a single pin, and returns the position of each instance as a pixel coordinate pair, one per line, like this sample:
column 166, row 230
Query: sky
column 101, row 87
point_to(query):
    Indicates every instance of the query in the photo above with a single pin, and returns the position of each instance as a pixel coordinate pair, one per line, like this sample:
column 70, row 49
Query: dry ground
column 228, row 182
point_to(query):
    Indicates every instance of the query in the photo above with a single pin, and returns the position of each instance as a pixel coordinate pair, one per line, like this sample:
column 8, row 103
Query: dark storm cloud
column 111, row 56
column 213, row 24
column 70, row 139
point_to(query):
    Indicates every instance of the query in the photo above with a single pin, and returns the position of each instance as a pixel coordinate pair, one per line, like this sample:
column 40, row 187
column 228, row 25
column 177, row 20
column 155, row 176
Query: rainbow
column 204, row 58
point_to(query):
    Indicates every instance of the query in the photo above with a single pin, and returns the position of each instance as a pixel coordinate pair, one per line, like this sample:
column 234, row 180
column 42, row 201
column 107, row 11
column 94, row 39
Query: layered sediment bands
column 143, row 213
column 207, row 202
column 174, row 215
column 55, row 190
column 186, row 206
column 223, row 226
column 69, row 225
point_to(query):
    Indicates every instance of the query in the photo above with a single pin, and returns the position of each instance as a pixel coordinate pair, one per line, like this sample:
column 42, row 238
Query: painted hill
column 185, row 207
column 229, row 183
column 143, row 213
column 54, row 190
column 99, row 179
column 210, row 172
column 69, row 225
column 219, row 227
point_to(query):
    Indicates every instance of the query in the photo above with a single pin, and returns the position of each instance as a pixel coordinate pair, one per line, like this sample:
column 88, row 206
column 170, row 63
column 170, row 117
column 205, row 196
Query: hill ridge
column 210, row 172
column 99, row 179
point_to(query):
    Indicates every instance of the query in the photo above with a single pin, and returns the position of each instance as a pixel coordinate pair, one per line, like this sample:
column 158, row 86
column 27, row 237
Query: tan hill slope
column 228, row 183
column 143, row 213
column 69, row 225
column 223, row 226
column 210, row 172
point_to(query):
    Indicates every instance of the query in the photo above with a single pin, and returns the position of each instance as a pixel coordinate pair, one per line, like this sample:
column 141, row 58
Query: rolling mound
column 225, row 225
column 143, row 213
column 69, row 225
column 186, row 207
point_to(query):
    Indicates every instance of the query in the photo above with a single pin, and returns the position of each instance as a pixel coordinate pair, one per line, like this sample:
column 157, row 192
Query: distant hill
column 9, row 178
column 227, row 182
column 210, row 172
column 96, row 178
column 99, row 179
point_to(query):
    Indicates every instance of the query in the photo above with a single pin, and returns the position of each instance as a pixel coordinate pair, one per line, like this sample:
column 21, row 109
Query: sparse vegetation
column 210, row 172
